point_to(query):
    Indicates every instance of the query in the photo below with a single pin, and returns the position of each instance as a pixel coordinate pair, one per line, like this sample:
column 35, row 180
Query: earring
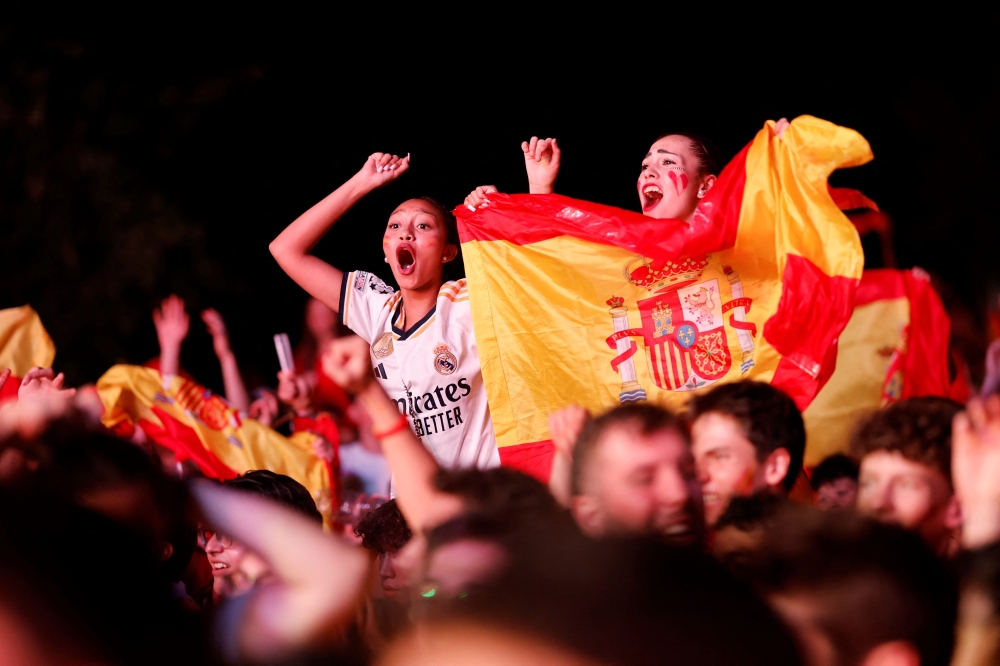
column 386, row 259
column 701, row 193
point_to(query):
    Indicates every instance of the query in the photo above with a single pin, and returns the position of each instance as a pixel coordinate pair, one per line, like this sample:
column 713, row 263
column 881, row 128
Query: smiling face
column 641, row 483
column 234, row 568
column 416, row 245
column 726, row 461
column 670, row 179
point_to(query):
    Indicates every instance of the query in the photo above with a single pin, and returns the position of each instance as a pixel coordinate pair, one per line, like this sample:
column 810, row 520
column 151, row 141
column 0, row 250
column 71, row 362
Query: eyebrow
column 662, row 151
column 419, row 210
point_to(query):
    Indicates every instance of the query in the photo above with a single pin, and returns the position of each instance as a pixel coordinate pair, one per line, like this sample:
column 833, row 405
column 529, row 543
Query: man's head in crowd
column 746, row 436
column 855, row 591
column 501, row 497
column 740, row 530
column 835, row 482
column 235, row 568
column 465, row 553
column 384, row 532
column 905, row 469
column 633, row 474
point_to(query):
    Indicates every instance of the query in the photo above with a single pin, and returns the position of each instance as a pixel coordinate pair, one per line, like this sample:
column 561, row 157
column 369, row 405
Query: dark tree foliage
column 140, row 161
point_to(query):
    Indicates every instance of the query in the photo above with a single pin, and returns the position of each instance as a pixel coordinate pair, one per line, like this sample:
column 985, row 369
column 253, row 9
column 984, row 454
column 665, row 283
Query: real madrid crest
column 444, row 361
column 383, row 346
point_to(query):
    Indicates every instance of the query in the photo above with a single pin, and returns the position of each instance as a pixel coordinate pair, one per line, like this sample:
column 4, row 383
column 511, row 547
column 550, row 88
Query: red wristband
column 397, row 427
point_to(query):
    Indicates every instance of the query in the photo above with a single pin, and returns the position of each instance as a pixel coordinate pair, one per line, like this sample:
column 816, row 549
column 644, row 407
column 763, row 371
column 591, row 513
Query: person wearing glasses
column 235, row 569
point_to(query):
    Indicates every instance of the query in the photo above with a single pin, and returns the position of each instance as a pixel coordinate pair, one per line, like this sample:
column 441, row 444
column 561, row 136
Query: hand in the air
column 324, row 449
column 264, row 409
column 42, row 381
column 171, row 321
column 382, row 168
column 216, row 326
column 348, row 363
column 294, row 390
column 542, row 159
column 780, row 127
column 478, row 197
column 975, row 468
column 565, row 425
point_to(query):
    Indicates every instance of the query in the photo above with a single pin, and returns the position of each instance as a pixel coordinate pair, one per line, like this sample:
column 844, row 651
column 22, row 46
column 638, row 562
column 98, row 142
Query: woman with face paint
column 423, row 350
column 675, row 175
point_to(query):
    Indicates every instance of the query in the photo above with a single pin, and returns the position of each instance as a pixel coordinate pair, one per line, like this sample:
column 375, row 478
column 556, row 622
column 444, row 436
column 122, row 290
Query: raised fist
column 348, row 363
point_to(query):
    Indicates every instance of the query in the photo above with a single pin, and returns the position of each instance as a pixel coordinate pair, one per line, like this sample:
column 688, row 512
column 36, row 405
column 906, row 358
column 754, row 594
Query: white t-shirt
column 432, row 370
column 368, row 466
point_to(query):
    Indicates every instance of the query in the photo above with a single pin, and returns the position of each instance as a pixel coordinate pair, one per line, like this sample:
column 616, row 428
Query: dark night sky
column 135, row 165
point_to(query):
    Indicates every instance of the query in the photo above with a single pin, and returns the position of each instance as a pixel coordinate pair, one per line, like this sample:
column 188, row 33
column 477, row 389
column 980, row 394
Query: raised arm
column 232, row 380
column 292, row 246
column 975, row 468
column 413, row 467
column 171, row 321
column 564, row 426
column 542, row 159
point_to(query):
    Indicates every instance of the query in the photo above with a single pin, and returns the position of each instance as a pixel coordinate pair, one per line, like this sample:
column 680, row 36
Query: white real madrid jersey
column 436, row 362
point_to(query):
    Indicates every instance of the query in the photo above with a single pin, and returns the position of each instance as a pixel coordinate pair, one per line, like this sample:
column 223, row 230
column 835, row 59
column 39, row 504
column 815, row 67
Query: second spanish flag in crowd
column 199, row 426
column 577, row 302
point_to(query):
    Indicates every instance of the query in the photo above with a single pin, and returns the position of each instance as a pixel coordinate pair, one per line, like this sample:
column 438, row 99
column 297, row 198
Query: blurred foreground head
column 91, row 533
column 905, row 469
column 567, row 599
column 470, row 548
column 856, row 591
column 633, row 474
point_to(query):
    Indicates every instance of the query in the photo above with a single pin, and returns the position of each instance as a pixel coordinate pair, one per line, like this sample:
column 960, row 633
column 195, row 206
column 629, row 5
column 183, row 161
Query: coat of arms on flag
column 685, row 332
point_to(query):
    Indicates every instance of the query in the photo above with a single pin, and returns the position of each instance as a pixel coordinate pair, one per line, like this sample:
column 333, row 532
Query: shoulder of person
column 369, row 283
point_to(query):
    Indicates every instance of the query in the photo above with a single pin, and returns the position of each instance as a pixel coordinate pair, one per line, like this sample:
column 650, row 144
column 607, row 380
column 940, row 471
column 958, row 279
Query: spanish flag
column 199, row 426
column 895, row 346
column 24, row 342
column 577, row 302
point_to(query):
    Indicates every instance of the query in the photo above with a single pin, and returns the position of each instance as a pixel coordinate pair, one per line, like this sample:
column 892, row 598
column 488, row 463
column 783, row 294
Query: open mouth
column 676, row 529
column 219, row 568
column 651, row 195
column 405, row 259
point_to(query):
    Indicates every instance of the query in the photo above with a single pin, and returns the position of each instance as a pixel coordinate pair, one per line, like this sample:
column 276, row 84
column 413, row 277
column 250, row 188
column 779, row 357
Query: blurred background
column 160, row 155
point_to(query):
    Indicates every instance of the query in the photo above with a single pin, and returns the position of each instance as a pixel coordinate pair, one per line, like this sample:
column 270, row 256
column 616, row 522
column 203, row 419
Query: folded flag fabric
column 894, row 347
column 199, row 426
column 578, row 302
column 24, row 342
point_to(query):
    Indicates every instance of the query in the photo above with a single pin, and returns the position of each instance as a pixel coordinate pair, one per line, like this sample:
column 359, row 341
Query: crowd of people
column 695, row 536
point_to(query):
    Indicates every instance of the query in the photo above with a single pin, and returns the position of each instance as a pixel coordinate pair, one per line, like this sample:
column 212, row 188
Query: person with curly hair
column 905, row 475
column 384, row 532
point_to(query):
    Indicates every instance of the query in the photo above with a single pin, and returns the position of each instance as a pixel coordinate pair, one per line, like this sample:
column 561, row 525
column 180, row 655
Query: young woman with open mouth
column 423, row 350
